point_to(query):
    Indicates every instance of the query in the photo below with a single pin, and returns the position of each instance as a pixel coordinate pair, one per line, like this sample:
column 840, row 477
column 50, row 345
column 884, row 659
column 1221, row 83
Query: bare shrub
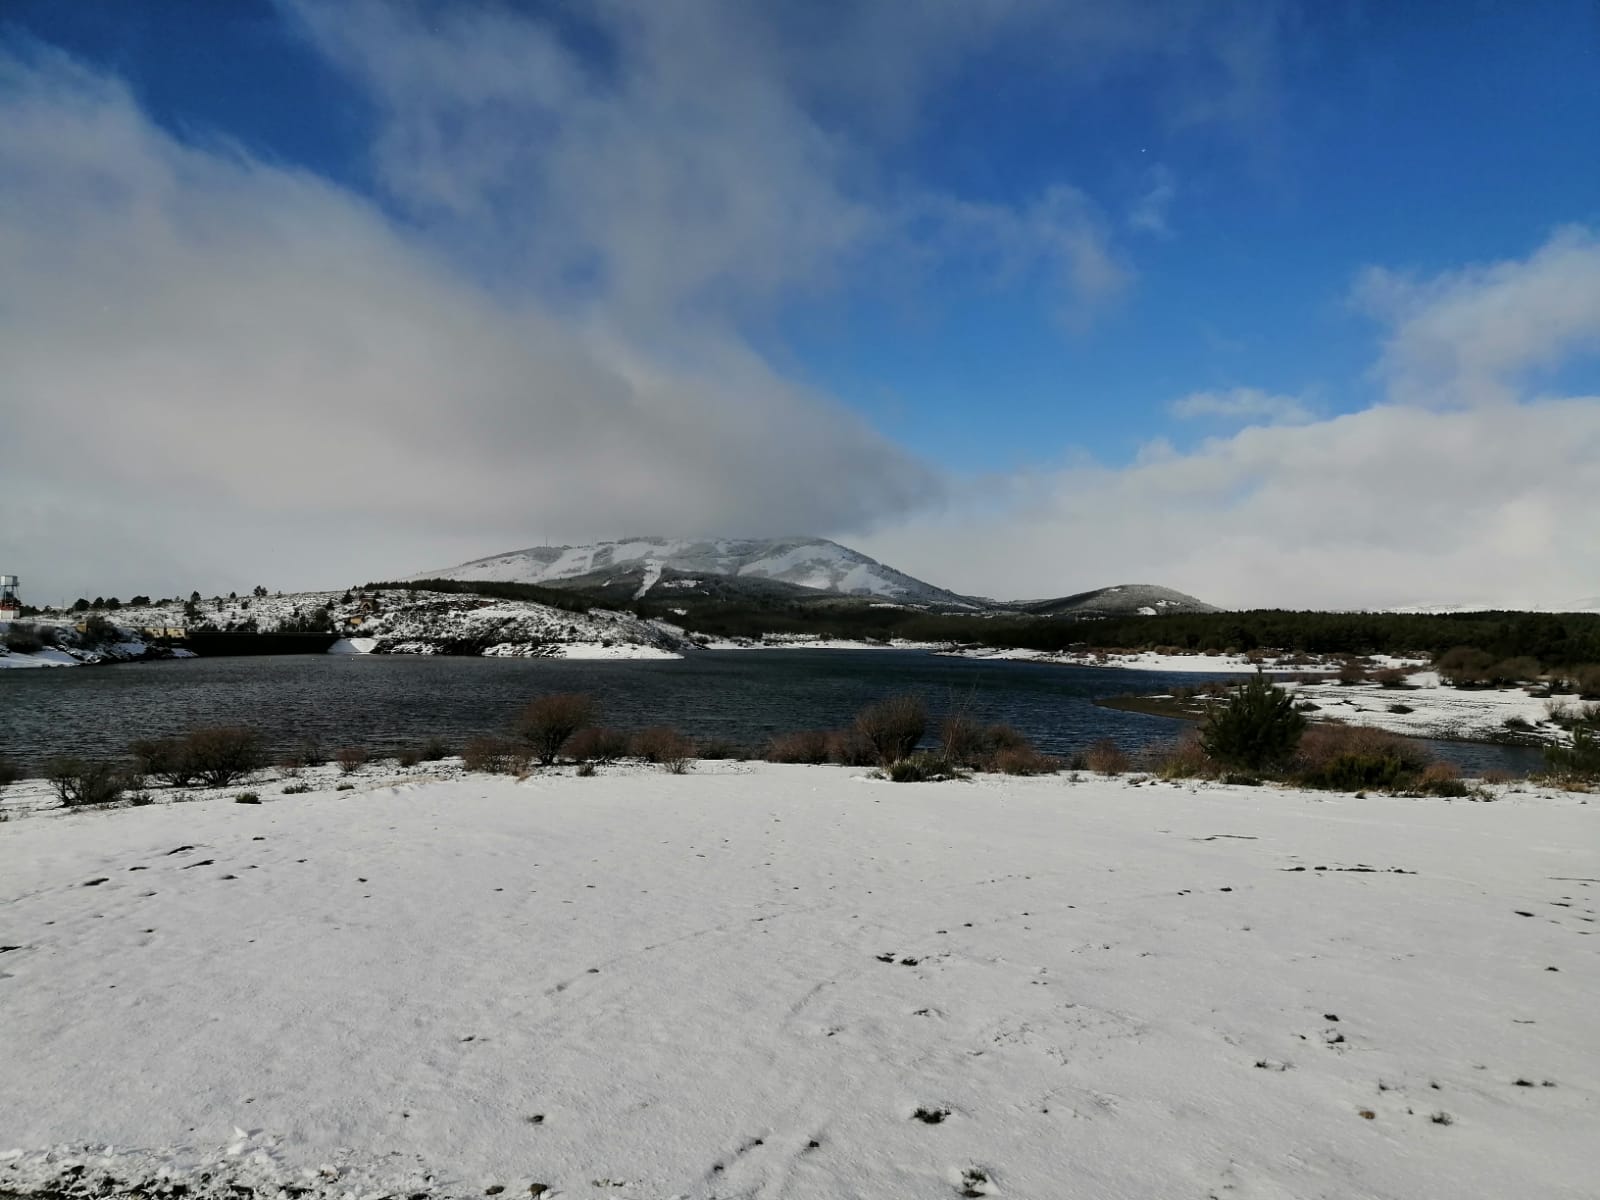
column 549, row 721
column 587, row 770
column 849, row 748
column 1440, row 778
column 1390, row 677
column 9, row 772
column 1185, row 758
column 597, row 745
column 408, row 757
column 893, row 726
column 350, row 759
column 1464, row 666
column 224, row 755
column 804, row 746
column 495, row 755
column 166, row 759
column 1105, row 757
column 1513, row 671
column 434, row 749
column 1352, row 671
column 78, row 783
column 1024, row 760
column 723, row 749
column 1357, row 757
column 1586, row 680
column 660, row 744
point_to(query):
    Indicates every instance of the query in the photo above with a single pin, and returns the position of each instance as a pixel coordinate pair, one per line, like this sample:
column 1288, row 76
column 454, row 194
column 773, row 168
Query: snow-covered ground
column 1430, row 709
column 1150, row 660
column 400, row 622
column 800, row 982
column 806, row 641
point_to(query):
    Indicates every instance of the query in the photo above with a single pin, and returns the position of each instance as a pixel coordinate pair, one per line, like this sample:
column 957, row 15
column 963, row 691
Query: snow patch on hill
column 814, row 563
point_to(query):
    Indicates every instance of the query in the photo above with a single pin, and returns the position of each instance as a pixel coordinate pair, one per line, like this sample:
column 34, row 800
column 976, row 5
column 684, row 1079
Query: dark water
column 390, row 702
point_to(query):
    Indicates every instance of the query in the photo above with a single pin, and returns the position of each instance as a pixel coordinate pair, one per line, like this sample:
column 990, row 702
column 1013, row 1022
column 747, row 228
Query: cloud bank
column 1460, row 486
column 541, row 320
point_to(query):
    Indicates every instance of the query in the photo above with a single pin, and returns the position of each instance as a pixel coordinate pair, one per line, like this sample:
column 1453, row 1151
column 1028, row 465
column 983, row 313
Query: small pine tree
column 1255, row 728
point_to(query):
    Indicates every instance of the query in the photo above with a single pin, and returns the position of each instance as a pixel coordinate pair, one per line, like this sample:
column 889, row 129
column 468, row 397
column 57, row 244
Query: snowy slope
column 814, row 563
column 747, row 981
column 1121, row 600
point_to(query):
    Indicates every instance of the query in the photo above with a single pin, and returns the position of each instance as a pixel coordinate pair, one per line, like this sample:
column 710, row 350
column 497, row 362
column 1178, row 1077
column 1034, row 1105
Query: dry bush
column 408, row 757
column 924, row 767
column 1390, row 677
column 893, row 726
column 495, row 755
column 722, row 749
column 350, row 759
column 1357, row 757
column 1352, row 671
column 165, row 759
column 434, row 749
column 1586, row 680
column 1498, row 775
column 849, row 748
column 961, row 737
column 660, row 744
column 597, row 745
column 1513, row 671
column 1105, row 757
column 1440, row 779
column 549, row 721
column 222, row 756
column 992, row 748
column 1185, row 758
column 1464, row 666
column 803, row 746
column 1024, row 760
column 9, row 772
column 79, row 783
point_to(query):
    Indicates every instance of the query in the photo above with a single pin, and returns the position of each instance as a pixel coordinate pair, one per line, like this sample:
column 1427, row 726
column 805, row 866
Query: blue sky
column 958, row 264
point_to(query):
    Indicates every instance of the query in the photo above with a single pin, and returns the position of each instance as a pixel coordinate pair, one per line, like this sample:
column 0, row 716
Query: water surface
column 388, row 702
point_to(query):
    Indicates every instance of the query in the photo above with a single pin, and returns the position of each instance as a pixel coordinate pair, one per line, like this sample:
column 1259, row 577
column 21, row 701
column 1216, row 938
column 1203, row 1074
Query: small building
column 10, row 600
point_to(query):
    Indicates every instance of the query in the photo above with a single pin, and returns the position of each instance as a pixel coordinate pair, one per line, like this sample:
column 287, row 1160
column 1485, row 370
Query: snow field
column 748, row 980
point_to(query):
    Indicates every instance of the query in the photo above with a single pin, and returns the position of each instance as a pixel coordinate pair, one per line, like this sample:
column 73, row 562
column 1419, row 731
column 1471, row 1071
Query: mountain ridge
column 809, row 568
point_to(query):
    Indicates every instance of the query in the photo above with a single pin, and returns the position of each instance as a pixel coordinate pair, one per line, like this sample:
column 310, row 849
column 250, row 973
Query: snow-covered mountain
column 813, row 563
column 1123, row 600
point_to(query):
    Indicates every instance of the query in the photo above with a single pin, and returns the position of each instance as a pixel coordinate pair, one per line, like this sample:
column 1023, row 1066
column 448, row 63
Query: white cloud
column 1149, row 213
column 1462, row 488
column 1473, row 336
column 1243, row 405
column 243, row 360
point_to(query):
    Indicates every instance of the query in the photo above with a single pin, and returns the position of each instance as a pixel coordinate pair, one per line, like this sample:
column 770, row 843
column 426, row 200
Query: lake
column 388, row 702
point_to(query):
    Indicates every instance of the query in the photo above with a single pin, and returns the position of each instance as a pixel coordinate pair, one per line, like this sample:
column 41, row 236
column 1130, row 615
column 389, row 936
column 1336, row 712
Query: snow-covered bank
column 67, row 647
column 1427, row 708
column 763, row 980
column 805, row 641
column 1150, row 660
